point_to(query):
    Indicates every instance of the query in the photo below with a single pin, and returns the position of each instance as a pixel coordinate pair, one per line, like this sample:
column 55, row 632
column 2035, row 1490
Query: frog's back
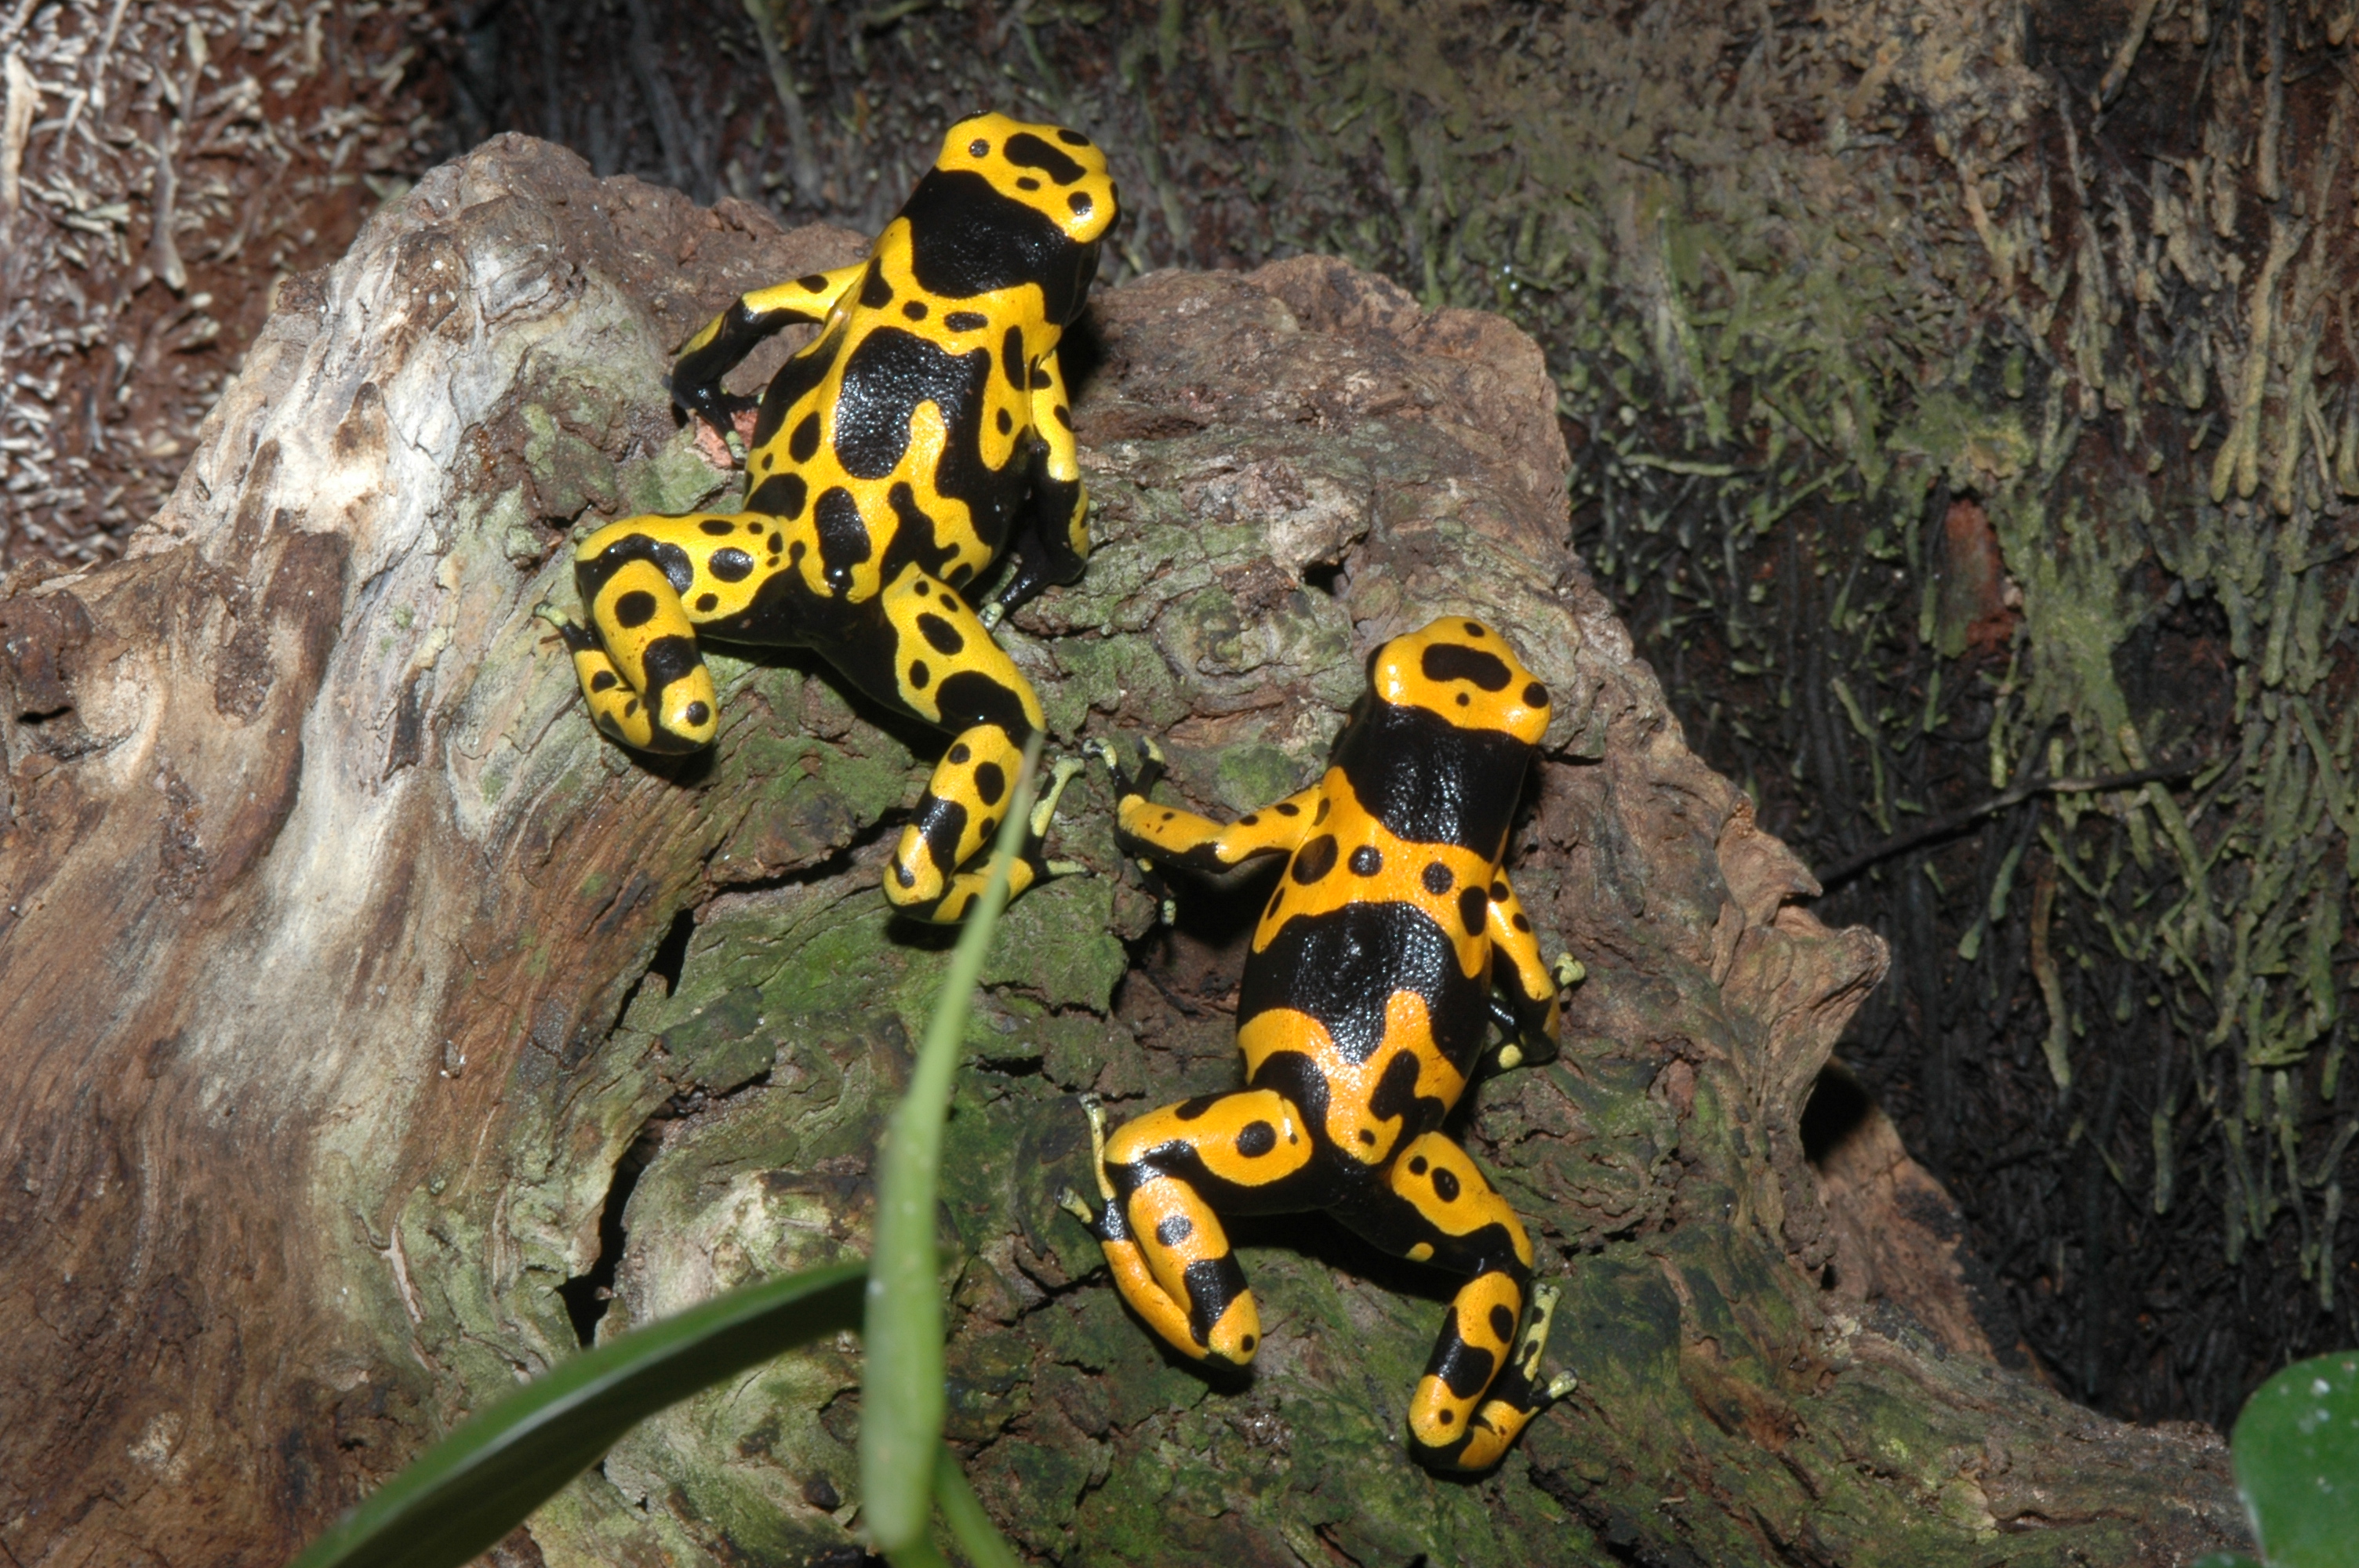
column 902, row 433
column 1376, row 936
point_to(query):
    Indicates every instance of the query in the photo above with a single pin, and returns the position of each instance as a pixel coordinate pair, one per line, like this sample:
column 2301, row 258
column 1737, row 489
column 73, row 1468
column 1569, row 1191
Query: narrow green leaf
column 977, row 1538
column 2296, row 1448
column 901, row 1401
column 467, row 1491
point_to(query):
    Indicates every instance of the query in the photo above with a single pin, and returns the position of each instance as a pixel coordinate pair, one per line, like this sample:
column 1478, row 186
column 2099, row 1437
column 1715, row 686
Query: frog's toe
column 1044, row 810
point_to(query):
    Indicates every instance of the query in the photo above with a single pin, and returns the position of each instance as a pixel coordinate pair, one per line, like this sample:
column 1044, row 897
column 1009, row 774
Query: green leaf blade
column 2295, row 1449
column 468, row 1491
column 901, row 1398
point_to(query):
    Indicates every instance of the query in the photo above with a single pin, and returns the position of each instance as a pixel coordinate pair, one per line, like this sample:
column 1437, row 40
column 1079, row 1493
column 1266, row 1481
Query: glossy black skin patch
column 919, row 437
column 1387, row 948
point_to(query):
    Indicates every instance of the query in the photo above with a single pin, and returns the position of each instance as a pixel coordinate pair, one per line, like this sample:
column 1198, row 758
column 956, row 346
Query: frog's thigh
column 1247, row 1151
column 645, row 679
column 1437, row 1208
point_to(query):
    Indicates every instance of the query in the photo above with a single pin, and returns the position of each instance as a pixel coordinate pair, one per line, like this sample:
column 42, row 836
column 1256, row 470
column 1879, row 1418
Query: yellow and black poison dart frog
column 921, row 432
column 1374, row 977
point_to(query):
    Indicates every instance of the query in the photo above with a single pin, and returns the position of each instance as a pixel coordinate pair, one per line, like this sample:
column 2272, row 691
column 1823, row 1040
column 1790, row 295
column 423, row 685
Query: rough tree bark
column 355, row 998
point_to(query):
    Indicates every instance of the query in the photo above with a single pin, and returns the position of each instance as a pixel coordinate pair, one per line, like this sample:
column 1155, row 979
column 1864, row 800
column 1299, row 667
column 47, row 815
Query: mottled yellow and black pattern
column 925, row 431
column 1367, row 1003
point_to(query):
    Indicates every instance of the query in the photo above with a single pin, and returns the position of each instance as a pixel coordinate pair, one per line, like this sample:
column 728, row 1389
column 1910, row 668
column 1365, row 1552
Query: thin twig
column 97, row 96
column 2119, row 71
column 1950, row 822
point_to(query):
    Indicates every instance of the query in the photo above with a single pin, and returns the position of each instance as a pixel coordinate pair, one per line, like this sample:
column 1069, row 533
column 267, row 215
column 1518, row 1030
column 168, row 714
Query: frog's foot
column 1533, row 1341
column 577, row 637
column 1125, row 783
column 955, row 825
column 1044, row 810
column 1569, row 970
column 1099, row 1218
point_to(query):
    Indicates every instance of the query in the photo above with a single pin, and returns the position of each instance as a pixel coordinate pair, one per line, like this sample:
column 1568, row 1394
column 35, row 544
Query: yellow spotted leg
column 1481, row 1384
column 641, row 673
column 1160, row 1176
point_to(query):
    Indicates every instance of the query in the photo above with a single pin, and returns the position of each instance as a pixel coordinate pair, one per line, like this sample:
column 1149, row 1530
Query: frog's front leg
column 1165, row 1179
column 729, row 337
column 1529, row 986
column 637, row 660
column 1051, row 537
column 1181, row 838
column 923, row 649
column 1481, row 1384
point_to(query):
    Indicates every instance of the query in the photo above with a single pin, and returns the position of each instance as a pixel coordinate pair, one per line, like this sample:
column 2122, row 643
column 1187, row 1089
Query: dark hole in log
column 586, row 1295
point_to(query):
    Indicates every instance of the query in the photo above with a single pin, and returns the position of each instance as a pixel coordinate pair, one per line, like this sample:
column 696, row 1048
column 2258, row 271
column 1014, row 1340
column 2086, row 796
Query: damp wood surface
column 372, row 1030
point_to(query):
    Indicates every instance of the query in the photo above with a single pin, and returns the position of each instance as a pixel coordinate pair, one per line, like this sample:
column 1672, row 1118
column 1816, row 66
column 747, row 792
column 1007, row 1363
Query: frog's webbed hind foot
column 1128, row 786
column 1105, row 1217
column 577, row 636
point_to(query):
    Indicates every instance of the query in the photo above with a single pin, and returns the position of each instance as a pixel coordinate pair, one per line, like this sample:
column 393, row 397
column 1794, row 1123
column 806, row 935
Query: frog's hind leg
column 1164, row 1179
column 1481, row 1384
column 923, row 649
column 637, row 660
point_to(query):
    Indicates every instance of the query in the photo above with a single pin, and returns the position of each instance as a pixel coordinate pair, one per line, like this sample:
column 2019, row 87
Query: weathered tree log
column 365, row 1020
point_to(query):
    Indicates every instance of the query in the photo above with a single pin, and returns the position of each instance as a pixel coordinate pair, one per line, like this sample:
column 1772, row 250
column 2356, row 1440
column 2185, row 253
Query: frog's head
column 1008, row 202
column 1058, row 173
column 1463, row 671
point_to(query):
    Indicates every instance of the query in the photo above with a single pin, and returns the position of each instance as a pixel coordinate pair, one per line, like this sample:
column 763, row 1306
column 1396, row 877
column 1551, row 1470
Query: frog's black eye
column 978, row 148
column 1080, row 202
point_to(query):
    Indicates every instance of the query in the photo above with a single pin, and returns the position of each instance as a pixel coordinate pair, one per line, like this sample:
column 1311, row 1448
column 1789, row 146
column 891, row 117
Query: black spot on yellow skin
column 914, row 310
column 604, row 680
column 965, row 321
column 1364, row 1005
column 1314, row 860
column 716, row 525
column 803, row 445
column 635, row 610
